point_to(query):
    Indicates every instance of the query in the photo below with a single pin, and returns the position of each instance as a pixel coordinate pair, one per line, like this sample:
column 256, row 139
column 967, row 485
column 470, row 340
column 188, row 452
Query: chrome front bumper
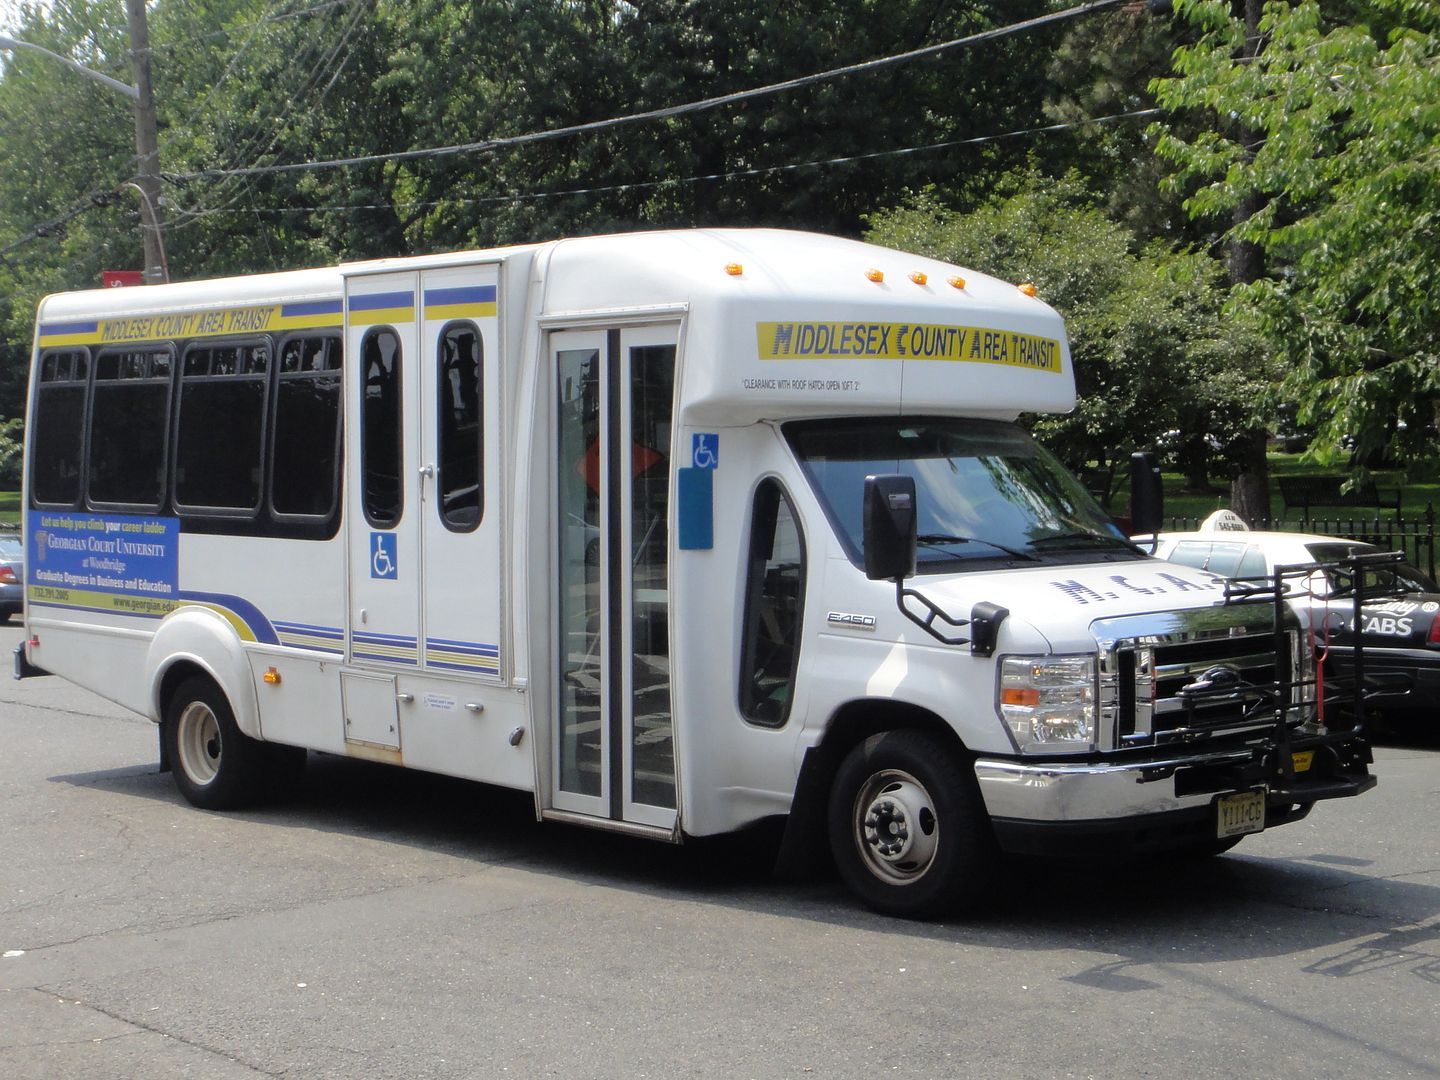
column 1089, row 792
column 1059, row 792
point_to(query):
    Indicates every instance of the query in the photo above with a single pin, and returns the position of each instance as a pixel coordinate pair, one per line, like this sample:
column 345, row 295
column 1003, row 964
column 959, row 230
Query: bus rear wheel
column 216, row 766
column 908, row 829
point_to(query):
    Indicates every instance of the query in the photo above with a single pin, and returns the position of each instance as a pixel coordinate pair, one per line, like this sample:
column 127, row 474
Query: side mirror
column 1147, row 497
column 889, row 523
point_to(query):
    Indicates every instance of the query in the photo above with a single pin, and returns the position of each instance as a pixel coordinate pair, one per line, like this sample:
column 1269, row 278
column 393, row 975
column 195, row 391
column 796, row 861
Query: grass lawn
column 1419, row 491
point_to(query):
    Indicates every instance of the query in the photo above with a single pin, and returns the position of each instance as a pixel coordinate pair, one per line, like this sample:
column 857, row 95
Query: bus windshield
column 985, row 490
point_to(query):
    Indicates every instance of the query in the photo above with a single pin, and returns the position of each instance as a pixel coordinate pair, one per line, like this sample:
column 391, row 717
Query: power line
column 735, row 174
column 702, row 105
column 257, row 24
column 102, row 197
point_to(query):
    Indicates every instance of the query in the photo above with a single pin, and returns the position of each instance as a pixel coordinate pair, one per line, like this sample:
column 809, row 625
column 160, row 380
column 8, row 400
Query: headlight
column 1049, row 702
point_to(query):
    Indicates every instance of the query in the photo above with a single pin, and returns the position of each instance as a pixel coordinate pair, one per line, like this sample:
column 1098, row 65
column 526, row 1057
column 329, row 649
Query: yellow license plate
column 1301, row 759
column 1238, row 814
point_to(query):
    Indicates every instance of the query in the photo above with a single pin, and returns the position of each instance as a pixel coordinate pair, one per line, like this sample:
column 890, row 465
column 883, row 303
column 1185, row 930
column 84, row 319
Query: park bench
column 1304, row 493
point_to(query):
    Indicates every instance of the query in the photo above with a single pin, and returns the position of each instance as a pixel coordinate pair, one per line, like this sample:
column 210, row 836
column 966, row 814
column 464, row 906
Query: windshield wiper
column 941, row 539
column 1099, row 539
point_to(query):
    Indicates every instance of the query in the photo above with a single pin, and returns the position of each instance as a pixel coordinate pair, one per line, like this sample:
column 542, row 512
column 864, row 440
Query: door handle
column 427, row 471
column 407, row 698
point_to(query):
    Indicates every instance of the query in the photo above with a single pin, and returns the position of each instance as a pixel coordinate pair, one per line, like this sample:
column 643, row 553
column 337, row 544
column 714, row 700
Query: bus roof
column 793, row 323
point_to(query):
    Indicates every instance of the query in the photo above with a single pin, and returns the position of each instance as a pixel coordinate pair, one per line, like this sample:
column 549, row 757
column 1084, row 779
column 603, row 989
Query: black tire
column 908, row 828
column 216, row 766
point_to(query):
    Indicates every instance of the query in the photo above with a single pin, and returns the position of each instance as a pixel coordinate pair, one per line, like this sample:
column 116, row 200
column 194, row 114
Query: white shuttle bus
column 679, row 531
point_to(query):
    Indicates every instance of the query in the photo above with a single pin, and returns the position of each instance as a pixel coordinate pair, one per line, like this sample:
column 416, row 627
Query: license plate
column 1241, row 813
column 1300, row 760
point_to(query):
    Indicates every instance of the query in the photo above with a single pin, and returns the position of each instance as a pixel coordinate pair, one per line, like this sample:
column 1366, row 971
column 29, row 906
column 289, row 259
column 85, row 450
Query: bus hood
column 1060, row 601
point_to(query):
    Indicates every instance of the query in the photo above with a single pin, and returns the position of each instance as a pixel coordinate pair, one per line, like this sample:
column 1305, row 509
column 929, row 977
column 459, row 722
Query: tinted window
column 219, row 437
column 774, row 595
column 304, row 471
column 380, row 460
column 129, row 426
column 460, row 438
column 57, row 428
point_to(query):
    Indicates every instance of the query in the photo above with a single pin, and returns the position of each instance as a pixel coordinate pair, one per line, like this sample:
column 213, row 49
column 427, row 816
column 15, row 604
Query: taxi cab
column 1400, row 619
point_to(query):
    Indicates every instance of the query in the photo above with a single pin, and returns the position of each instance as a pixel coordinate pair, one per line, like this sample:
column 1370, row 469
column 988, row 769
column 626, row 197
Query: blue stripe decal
column 463, row 646
column 374, row 301
column 493, row 668
column 252, row 616
column 326, row 639
column 317, row 631
column 475, row 294
column 384, row 639
column 59, row 329
column 313, row 307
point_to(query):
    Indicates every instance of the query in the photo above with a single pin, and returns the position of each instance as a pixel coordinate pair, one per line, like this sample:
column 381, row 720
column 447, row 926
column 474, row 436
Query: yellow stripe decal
column 214, row 322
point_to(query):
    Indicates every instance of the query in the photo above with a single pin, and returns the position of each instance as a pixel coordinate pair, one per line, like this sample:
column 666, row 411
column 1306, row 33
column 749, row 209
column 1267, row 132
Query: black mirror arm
column 984, row 622
column 933, row 614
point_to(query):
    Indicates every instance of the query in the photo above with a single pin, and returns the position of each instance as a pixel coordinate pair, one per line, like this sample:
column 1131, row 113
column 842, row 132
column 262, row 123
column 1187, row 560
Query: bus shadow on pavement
column 1231, row 907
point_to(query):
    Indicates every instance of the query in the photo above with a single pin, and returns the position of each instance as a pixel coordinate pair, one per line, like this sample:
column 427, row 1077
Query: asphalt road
column 384, row 924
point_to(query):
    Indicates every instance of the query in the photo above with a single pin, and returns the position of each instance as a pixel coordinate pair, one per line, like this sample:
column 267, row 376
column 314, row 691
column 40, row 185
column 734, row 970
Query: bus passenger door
column 460, row 470
column 614, row 751
column 382, row 492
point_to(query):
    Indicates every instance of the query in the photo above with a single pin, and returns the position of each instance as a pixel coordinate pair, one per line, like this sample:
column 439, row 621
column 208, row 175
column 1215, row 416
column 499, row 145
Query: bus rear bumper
column 24, row 669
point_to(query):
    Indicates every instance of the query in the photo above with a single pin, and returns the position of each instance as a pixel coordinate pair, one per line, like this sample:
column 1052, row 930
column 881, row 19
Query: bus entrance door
column 382, row 490
column 613, row 747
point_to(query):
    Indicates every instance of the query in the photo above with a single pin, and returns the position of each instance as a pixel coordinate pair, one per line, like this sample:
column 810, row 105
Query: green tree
column 1151, row 352
column 1321, row 153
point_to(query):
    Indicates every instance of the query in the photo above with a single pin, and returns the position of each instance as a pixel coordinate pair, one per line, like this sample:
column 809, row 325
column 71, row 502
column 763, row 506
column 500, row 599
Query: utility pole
column 147, row 144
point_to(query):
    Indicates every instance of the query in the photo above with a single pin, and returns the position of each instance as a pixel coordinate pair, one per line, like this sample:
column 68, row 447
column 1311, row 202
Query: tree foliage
column 1152, row 354
column 1346, row 175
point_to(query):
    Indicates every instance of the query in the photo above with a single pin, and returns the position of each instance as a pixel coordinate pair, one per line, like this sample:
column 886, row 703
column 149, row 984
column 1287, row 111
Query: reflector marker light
column 734, row 269
column 271, row 676
column 956, row 282
column 919, row 277
column 875, row 275
column 1028, row 289
column 1014, row 695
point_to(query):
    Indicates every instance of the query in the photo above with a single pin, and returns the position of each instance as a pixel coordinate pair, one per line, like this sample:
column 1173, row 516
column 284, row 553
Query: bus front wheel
column 216, row 766
column 908, row 829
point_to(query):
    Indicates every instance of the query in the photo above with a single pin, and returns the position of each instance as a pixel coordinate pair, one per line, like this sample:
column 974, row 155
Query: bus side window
column 774, row 603
column 129, row 428
column 460, row 434
column 304, row 464
column 58, row 426
column 382, row 485
column 221, row 425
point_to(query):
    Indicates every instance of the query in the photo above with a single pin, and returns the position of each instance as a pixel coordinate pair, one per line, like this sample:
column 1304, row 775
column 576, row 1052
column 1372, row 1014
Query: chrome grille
column 1186, row 676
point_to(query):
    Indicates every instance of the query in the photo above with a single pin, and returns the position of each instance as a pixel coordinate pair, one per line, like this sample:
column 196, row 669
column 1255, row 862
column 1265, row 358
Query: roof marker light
column 919, row 277
column 734, row 269
column 956, row 282
column 1028, row 289
column 875, row 275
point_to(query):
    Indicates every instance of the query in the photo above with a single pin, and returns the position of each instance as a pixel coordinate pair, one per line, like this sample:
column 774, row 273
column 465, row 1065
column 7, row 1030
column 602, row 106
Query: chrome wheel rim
column 198, row 742
column 896, row 829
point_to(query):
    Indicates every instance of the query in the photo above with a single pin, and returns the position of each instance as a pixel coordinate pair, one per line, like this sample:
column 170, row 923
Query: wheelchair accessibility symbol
column 382, row 556
column 705, row 450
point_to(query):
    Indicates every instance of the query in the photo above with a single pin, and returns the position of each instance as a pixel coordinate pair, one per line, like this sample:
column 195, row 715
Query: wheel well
column 804, row 846
column 176, row 674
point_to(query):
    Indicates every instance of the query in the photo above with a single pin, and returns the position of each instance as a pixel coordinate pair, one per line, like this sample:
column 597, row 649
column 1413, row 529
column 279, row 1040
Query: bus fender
column 199, row 638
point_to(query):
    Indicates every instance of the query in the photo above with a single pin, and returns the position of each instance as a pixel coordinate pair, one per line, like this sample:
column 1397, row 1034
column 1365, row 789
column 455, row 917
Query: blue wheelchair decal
column 705, row 450
column 383, row 563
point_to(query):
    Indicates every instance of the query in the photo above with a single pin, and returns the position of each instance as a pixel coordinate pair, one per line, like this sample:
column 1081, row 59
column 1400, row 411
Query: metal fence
column 1415, row 536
